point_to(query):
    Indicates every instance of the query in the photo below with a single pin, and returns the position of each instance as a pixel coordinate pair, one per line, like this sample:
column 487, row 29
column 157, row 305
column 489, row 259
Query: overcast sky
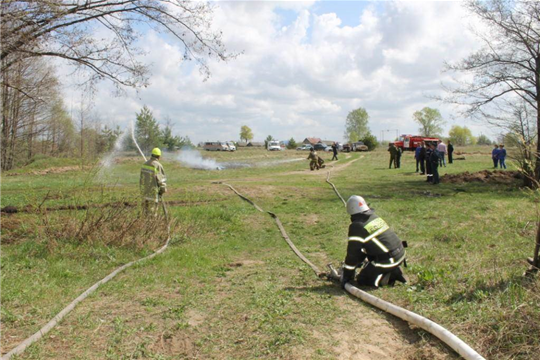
column 304, row 66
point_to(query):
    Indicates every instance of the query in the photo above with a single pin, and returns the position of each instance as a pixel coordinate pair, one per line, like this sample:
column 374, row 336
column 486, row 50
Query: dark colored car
column 320, row 146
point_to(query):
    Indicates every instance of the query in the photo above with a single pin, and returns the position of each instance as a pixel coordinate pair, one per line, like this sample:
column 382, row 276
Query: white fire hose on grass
column 55, row 320
column 433, row 328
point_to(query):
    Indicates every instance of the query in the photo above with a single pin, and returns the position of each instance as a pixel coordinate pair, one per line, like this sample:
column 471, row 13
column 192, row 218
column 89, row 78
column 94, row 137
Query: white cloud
column 300, row 78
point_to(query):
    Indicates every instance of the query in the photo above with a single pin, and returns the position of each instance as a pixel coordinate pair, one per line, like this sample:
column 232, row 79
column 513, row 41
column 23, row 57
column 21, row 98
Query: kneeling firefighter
column 313, row 160
column 370, row 237
column 152, row 183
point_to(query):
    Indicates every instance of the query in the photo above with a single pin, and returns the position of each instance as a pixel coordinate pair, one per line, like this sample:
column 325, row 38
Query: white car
column 274, row 146
column 231, row 146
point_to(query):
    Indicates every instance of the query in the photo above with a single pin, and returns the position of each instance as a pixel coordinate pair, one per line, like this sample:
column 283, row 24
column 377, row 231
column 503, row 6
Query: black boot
column 385, row 280
column 397, row 275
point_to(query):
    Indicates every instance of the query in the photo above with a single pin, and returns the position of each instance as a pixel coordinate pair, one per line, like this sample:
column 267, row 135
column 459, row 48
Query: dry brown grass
column 111, row 226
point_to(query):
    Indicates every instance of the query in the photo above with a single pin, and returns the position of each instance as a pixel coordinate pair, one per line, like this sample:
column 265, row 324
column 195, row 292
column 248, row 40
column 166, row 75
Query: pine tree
column 147, row 131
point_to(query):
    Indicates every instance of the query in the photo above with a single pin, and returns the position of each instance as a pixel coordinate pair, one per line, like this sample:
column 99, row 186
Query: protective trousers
column 435, row 172
column 370, row 275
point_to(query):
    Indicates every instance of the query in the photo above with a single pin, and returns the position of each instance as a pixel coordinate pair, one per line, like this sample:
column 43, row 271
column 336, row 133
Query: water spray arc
column 135, row 141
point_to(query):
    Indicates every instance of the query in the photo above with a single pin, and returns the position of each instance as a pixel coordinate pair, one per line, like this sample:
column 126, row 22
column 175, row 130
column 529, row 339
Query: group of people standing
column 434, row 156
column 429, row 156
column 498, row 155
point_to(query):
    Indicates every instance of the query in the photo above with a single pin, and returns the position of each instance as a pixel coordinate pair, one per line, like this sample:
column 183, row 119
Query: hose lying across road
column 446, row 336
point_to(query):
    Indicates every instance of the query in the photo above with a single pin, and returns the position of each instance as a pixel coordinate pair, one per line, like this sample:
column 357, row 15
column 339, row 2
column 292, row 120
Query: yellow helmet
column 156, row 152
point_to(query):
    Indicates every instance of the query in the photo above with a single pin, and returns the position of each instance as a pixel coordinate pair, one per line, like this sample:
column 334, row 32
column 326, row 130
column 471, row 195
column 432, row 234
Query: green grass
column 467, row 248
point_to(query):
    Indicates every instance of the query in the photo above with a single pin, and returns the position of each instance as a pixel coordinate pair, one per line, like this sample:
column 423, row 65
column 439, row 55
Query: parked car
column 321, row 146
column 359, row 146
column 274, row 145
column 346, row 147
column 215, row 146
column 304, row 147
column 231, row 146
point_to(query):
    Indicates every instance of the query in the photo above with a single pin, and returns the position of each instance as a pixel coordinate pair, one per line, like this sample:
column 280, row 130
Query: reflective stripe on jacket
column 152, row 179
column 371, row 237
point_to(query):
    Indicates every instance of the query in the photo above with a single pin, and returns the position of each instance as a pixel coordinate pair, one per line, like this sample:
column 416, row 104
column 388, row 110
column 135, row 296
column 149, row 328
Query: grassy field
column 230, row 288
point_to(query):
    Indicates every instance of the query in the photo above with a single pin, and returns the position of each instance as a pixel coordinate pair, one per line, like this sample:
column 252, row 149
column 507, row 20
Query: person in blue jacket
column 501, row 156
column 420, row 155
column 495, row 156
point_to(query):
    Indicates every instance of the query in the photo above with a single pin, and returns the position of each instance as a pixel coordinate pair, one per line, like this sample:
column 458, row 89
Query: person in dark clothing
column 434, row 158
column 423, row 159
column 393, row 155
column 450, row 150
column 495, row 156
column 398, row 156
column 334, row 150
column 370, row 237
column 502, row 156
column 429, row 171
column 419, row 158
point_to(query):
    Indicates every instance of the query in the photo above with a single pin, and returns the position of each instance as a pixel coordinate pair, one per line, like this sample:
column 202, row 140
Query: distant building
column 255, row 144
column 241, row 144
column 311, row 141
column 328, row 142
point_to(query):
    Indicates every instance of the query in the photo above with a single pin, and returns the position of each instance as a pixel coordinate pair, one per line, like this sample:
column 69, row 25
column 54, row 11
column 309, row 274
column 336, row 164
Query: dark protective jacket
column 152, row 181
column 371, row 237
column 393, row 151
column 434, row 157
column 428, row 154
column 422, row 155
column 450, row 148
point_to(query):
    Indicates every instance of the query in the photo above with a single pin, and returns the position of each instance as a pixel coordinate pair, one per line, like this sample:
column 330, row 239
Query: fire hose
column 56, row 319
column 433, row 328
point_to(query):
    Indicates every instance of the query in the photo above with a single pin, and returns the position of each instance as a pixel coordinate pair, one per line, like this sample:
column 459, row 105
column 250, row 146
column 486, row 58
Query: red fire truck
column 411, row 142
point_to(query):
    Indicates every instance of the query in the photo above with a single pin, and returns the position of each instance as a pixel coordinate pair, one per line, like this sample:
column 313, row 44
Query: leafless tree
column 25, row 105
column 96, row 35
column 507, row 67
column 68, row 29
column 518, row 121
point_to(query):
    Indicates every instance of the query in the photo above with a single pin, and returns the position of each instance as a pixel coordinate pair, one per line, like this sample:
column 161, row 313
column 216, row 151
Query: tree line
column 35, row 121
column 34, row 118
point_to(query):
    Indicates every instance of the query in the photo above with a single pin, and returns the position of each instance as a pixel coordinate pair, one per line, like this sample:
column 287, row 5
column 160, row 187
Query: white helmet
column 356, row 204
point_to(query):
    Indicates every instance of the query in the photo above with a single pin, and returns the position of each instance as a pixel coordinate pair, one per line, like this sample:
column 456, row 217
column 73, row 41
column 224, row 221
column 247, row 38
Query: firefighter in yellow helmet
column 152, row 183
